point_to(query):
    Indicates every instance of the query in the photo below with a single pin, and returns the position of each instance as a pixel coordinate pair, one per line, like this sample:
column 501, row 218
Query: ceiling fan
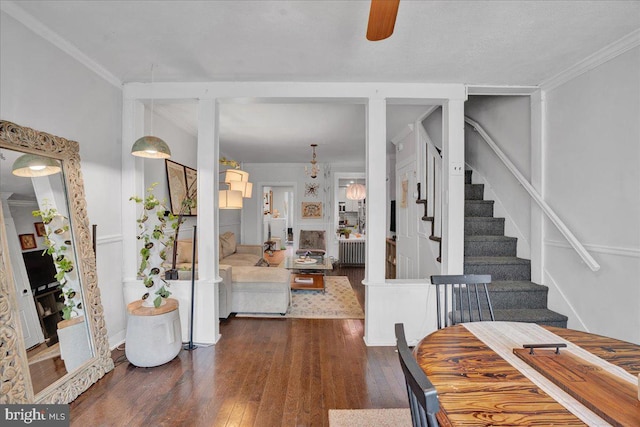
column 382, row 19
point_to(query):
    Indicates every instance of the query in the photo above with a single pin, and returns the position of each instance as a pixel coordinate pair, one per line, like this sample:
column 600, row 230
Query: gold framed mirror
column 81, row 306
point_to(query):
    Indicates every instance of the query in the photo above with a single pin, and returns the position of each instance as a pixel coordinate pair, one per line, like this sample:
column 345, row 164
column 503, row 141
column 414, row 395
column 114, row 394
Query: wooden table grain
column 478, row 387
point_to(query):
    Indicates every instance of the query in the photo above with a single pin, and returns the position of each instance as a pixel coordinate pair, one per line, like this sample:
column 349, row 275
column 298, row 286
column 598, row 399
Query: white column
column 206, row 322
column 376, row 202
column 132, row 184
column 453, row 186
column 376, row 154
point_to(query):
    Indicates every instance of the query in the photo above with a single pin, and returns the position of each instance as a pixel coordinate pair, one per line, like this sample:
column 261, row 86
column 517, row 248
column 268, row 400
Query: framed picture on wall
column 27, row 241
column 191, row 177
column 311, row 210
column 177, row 183
column 40, row 230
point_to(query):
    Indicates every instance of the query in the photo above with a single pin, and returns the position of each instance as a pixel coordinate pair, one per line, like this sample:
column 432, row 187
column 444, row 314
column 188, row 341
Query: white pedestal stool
column 154, row 335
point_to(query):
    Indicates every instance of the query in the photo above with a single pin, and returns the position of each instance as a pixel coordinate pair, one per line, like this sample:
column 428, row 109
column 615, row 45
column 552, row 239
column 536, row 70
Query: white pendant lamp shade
column 151, row 147
column 356, row 192
column 230, row 199
column 231, row 175
column 30, row 165
column 245, row 187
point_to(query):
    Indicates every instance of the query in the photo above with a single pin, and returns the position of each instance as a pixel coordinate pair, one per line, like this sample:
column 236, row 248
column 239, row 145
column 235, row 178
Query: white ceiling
column 473, row 42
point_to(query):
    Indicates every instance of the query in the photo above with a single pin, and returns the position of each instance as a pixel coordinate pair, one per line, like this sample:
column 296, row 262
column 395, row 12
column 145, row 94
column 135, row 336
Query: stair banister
column 433, row 168
column 571, row 238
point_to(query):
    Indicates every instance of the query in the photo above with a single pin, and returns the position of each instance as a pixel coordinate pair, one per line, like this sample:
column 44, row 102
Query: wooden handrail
column 571, row 238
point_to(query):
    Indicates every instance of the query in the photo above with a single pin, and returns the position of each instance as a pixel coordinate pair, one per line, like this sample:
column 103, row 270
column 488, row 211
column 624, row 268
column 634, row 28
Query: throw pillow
column 228, row 242
column 262, row 263
column 185, row 250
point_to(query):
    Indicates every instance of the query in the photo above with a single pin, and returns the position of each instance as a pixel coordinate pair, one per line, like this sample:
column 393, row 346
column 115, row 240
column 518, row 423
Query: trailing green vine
column 60, row 249
column 161, row 232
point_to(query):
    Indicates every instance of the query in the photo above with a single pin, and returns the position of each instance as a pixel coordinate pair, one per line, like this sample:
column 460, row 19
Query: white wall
column 507, row 119
column 183, row 147
column 592, row 180
column 45, row 89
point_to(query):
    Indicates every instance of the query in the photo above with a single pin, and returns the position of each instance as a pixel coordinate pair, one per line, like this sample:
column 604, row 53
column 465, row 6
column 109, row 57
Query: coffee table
column 307, row 275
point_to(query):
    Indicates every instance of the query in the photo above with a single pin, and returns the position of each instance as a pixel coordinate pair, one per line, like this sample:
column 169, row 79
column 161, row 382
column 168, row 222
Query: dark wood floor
column 262, row 372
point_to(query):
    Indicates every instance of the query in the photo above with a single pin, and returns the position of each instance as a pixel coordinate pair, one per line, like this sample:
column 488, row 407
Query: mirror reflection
column 44, row 263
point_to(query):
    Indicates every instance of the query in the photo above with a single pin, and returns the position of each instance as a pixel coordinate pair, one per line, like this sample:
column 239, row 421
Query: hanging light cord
column 152, row 99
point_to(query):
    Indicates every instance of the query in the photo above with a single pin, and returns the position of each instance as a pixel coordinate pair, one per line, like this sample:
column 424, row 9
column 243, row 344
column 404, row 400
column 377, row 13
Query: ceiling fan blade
column 382, row 19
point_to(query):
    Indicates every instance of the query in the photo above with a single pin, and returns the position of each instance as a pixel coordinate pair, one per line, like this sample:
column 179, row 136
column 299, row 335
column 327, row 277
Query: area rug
column 338, row 302
column 370, row 417
column 49, row 353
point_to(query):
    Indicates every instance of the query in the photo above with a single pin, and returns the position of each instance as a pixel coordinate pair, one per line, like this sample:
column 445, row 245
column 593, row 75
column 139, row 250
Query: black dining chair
column 423, row 397
column 462, row 295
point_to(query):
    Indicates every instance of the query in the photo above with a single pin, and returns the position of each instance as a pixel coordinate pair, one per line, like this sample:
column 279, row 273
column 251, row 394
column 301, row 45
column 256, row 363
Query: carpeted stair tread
column 518, row 294
column 500, row 268
column 516, row 285
column 491, row 260
column 478, row 208
column 483, row 245
column 489, row 238
column 485, row 226
column 541, row 316
column 474, row 191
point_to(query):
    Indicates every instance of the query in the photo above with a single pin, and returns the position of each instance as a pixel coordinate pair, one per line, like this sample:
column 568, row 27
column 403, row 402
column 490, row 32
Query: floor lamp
column 190, row 345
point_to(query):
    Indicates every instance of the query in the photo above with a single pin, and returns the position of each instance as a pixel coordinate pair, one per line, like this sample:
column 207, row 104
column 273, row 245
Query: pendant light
column 230, row 199
column 245, row 187
column 356, row 192
column 149, row 146
column 315, row 169
column 32, row 165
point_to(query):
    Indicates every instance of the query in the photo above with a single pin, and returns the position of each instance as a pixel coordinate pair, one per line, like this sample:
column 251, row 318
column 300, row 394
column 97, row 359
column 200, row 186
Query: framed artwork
column 403, row 196
column 177, row 183
column 311, row 189
column 27, row 241
column 267, row 204
column 40, row 230
column 311, row 210
column 191, row 176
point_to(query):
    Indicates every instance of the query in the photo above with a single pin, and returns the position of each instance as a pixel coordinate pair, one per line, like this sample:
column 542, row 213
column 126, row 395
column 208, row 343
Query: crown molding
column 605, row 54
column 20, row 15
column 501, row 90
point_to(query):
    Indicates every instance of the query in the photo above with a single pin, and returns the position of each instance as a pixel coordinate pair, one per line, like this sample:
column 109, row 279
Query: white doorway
column 278, row 201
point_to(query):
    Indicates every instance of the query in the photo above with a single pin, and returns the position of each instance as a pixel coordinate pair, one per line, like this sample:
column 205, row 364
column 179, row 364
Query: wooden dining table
column 484, row 377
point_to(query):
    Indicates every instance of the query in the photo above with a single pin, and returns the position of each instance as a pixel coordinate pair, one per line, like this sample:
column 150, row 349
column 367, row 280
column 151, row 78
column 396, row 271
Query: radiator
column 352, row 252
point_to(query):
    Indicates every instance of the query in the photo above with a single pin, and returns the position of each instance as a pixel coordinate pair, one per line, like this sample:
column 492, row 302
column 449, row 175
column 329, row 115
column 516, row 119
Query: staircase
column 488, row 251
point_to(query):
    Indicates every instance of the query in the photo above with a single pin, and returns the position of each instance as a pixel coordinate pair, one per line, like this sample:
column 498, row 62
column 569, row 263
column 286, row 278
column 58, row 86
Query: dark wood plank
column 262, row 372
column 612, row 398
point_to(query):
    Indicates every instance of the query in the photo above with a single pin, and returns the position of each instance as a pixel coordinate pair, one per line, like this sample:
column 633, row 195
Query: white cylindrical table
column 75, row 348
column 154, row 335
